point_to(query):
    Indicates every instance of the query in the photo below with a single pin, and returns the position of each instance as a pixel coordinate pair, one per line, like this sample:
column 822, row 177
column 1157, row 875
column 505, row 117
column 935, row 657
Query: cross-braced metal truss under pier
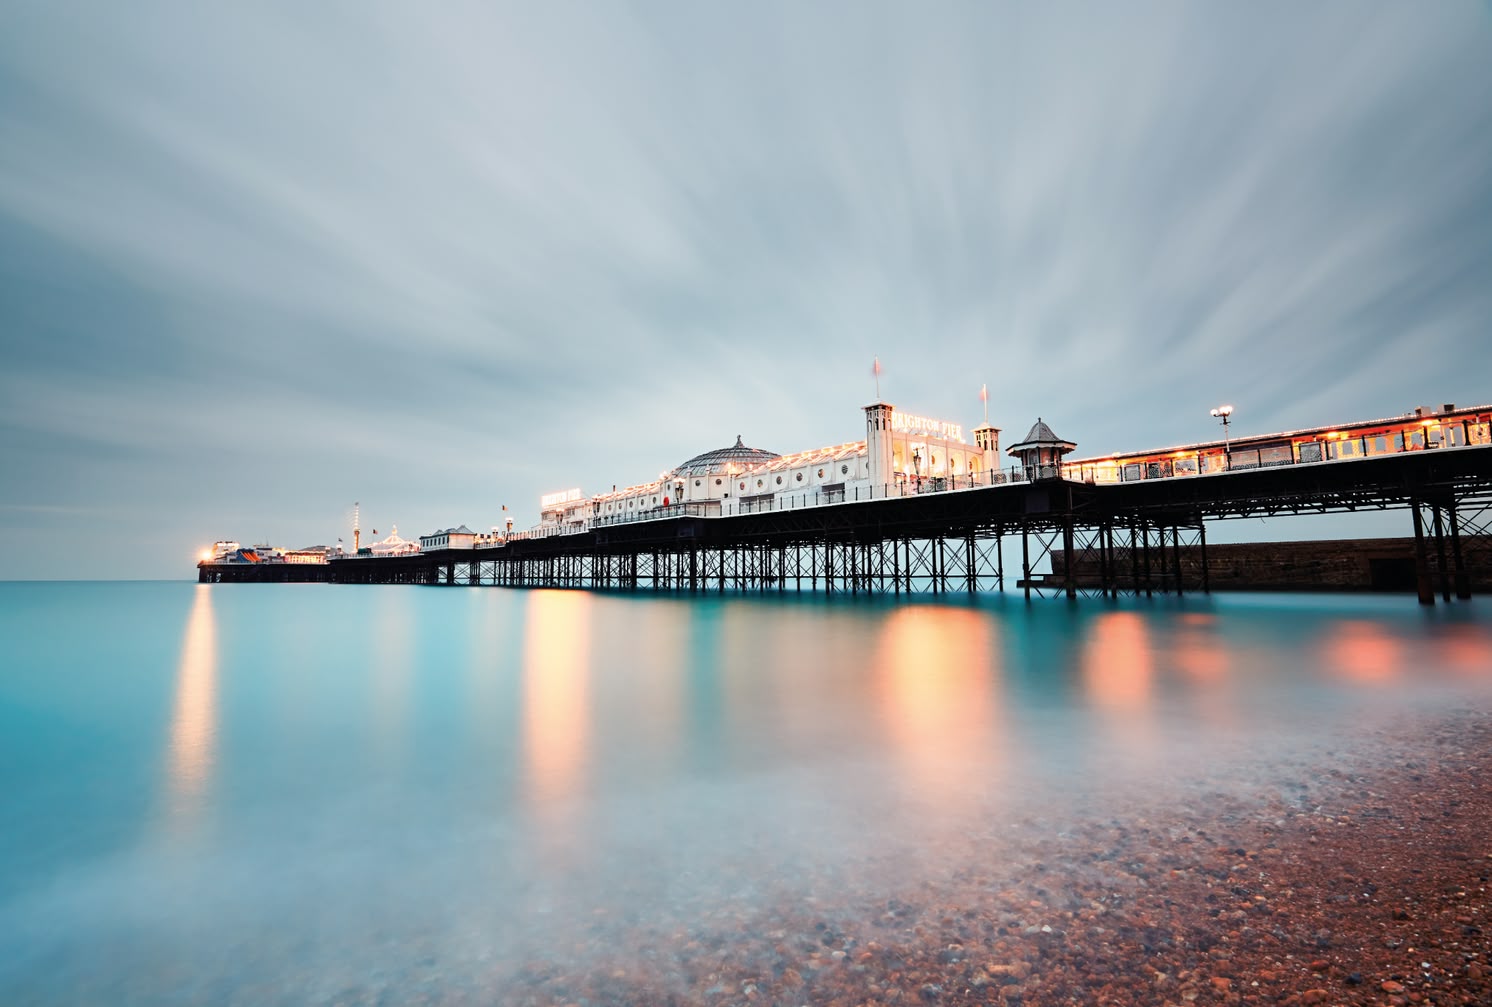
column 1452, row 537
column 885, row 567
column 1135, row 556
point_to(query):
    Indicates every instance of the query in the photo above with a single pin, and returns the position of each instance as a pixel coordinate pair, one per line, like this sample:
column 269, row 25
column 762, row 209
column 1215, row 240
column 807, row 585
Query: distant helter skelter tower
column 355, row 532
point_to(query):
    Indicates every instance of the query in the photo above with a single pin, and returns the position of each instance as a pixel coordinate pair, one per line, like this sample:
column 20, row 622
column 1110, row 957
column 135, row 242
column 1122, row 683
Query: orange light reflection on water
column 1197, row 652
column 935, row 682
column 555, row 715
column 1119, row 681
column 1118, row 665
column 1466, row 650
column 1363, row 652
column 194, row 717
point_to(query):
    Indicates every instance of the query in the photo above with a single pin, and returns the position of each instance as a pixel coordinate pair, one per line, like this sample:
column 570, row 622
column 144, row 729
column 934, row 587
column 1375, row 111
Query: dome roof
column 738, row 454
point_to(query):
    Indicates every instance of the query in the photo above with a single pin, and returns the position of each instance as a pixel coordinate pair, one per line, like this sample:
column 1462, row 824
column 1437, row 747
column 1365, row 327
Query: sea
column 329, row 794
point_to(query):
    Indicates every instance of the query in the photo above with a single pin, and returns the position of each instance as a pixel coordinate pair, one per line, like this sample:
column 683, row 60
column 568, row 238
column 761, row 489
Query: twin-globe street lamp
column 1224, row 413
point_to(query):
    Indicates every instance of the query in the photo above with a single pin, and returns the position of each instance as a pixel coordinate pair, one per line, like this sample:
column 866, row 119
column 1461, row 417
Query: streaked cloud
column 442, row 262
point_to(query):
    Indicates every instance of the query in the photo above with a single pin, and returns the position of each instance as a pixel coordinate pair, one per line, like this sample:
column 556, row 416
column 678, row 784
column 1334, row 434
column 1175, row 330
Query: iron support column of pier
column 1463, row 582
column 1176, row 555
column 1114, row 575
column 1113, row 561
column 1110, row 560
column 1445, row 573
column 1426, row 590
column 1026, row 559
column 1068, row 587
column 1202, row 542
column 1160, row 557
column 1145, row 553
column 1103, row 560
column 1134, row 559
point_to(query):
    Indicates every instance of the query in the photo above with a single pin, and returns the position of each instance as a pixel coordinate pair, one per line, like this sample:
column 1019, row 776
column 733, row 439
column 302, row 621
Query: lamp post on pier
column 1225, row 413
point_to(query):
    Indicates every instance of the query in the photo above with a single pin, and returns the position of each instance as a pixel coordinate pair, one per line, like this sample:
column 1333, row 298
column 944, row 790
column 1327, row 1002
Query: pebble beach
column 1360, row 885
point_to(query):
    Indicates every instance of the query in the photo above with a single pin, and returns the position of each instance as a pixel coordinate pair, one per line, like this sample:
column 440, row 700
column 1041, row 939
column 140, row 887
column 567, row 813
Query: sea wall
column 1370, row 564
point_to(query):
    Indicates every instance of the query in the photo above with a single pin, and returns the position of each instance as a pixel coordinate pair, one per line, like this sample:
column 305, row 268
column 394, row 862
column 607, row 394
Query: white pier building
column 901, row 454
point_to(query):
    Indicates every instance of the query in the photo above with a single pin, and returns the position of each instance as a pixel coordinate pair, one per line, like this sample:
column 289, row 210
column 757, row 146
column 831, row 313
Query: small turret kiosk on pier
column 1041, row 453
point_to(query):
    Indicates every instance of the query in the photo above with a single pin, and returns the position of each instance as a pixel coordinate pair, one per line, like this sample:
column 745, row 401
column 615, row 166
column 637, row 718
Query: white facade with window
column 449, row 538
column 900, row 454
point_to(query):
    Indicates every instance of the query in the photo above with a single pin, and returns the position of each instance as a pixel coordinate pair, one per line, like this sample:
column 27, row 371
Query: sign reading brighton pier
column 906, row 423
column 563, row 496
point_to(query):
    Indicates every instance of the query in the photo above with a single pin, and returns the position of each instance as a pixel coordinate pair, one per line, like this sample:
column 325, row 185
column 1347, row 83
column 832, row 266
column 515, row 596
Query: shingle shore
column 1329, row 886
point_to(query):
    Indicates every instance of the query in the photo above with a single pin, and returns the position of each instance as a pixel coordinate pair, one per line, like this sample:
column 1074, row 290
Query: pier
column 950, row 539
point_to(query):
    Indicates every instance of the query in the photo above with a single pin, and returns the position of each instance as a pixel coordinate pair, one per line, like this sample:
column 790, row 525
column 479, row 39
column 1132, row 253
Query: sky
column 260, row 261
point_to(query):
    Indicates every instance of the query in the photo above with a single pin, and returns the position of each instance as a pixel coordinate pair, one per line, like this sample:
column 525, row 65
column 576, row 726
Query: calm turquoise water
column 316, row 794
